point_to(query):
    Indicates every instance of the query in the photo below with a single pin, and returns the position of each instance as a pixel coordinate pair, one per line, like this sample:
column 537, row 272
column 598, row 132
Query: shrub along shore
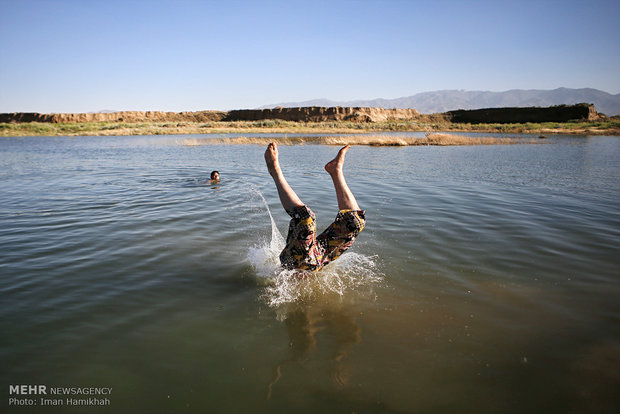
column 608, row 126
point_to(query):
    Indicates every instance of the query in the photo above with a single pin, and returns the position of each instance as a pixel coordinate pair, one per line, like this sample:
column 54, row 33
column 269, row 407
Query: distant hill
column 442, row 101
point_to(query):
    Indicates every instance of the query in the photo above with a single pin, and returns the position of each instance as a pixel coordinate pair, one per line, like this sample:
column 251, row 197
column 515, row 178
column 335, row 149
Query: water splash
column 265, row 257
column 351, row 273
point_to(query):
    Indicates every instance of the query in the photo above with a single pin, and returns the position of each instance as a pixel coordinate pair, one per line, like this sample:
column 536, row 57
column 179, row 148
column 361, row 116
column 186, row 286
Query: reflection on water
column 596, row 375
column 311, row 327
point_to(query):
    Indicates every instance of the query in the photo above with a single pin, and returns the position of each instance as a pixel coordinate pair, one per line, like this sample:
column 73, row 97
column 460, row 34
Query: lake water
column 486, row 280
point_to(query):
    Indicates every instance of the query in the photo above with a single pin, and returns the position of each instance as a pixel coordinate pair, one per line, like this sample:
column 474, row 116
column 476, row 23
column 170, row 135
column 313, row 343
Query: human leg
column 301, row 250
column 341, row 234
column 349, row 222
column 288, row 197
column 346, row 199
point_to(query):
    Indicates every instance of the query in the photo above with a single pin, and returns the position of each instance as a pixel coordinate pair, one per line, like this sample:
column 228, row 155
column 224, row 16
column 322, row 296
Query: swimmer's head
column 215, row 175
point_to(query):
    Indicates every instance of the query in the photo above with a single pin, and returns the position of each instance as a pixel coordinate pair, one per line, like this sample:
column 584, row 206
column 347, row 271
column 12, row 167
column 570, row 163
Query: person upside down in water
column 305, row 250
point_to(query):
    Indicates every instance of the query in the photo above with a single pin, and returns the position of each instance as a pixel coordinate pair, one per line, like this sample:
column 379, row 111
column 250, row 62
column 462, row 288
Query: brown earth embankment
column 124, row 116
column 560, row 113
column 322, row 114
column 305, row 114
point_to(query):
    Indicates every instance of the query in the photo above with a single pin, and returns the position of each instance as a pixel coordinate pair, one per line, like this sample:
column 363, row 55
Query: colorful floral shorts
column 305, row 251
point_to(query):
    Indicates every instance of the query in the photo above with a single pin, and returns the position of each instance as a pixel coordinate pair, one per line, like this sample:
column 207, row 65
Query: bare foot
column 271, row 158
column 335, row 165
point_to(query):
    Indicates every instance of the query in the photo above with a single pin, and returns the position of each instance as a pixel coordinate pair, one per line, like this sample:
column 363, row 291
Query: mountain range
column 447, row 100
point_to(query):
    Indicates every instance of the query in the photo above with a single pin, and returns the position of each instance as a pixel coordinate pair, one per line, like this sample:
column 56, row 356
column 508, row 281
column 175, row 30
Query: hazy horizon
column 317, row 100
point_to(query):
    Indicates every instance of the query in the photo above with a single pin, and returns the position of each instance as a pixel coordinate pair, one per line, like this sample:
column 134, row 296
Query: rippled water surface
column 486, row 280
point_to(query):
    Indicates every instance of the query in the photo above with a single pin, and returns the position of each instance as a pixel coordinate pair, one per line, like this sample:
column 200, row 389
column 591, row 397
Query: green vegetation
column 427, row 123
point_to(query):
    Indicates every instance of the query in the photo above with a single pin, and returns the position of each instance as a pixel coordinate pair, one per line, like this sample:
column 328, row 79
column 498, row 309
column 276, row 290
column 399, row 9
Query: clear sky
column 83, row 56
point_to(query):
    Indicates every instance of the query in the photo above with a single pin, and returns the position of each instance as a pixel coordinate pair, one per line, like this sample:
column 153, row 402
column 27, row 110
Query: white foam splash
column 352, row 272
column 265, row 257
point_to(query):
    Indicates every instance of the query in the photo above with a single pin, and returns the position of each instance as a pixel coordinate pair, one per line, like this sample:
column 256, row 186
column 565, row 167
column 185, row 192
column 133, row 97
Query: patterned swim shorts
column 305, row 251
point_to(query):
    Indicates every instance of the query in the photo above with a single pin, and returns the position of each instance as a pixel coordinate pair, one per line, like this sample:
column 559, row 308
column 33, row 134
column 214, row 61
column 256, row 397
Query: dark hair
column 213, row 174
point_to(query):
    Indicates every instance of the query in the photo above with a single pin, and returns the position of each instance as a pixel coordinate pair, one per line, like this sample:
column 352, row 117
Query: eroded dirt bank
column 562, row 113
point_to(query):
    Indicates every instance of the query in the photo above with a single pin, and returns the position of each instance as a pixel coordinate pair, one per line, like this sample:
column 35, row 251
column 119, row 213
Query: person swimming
column 215, row 177
column 305, row 250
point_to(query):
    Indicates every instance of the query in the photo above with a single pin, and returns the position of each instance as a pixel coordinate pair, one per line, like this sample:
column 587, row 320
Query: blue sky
column 83, row 56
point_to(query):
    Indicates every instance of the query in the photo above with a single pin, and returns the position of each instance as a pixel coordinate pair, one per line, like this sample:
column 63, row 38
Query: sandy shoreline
column 434, row 139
